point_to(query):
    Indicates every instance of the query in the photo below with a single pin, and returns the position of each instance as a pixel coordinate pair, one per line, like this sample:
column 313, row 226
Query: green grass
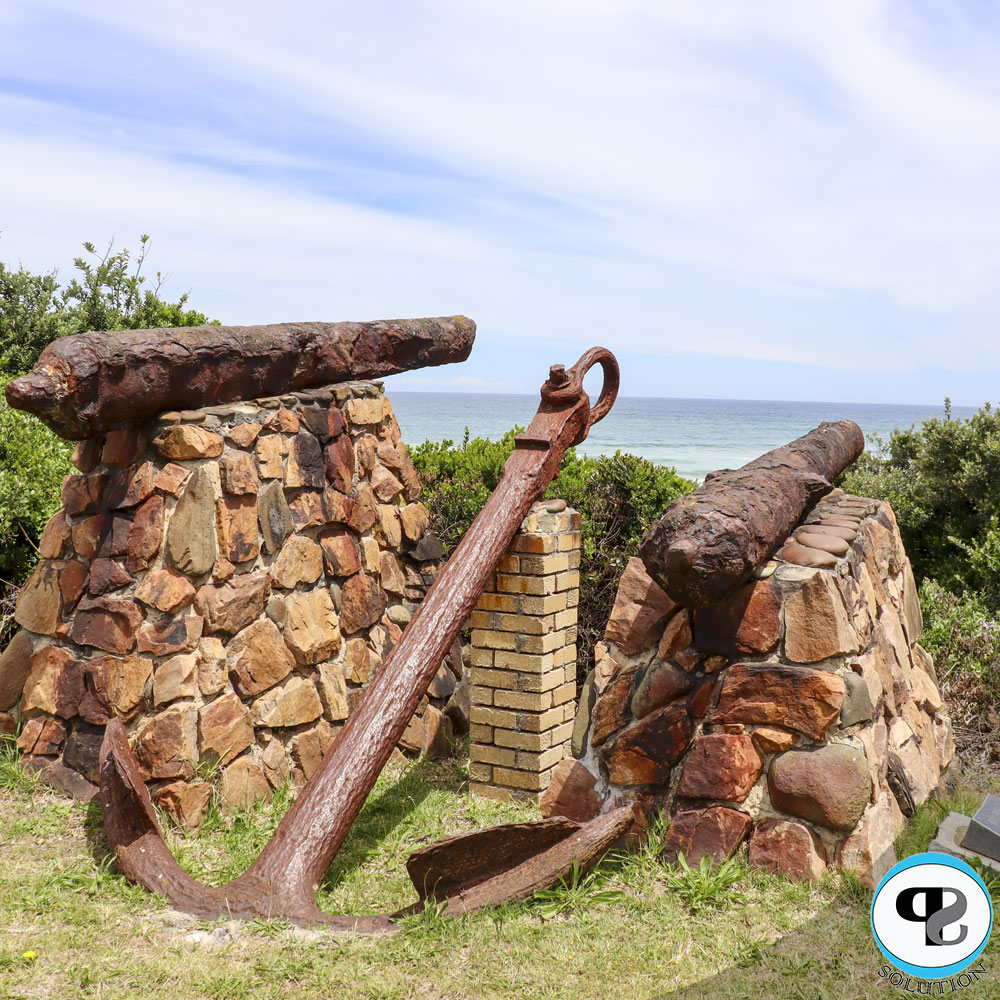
column 923, row 824
column 13, row 778
column 574, row 893
column 730, row 934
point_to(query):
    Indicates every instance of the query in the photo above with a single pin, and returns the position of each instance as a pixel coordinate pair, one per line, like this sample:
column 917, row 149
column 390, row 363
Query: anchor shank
column 285, row 877
column 315, row 826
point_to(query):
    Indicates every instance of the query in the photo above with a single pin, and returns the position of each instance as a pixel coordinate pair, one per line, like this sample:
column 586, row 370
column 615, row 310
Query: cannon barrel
column 91, row 382
column 711, row 540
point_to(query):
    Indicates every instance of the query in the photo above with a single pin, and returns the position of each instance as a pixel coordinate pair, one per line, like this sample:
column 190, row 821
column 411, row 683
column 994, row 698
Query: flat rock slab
column 773, row 694
column 949, row 836
column 640, row 610
column 715, row 831
column 787, row 847
column 720, row 766
column 983, row 835
column 571, row 792
column 644, row 754
column 747, row 621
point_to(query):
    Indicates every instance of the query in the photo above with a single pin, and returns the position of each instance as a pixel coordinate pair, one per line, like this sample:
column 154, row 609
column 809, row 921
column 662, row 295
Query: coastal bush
column 458, row 480
column 943, row 481
column 32, row 315
column 108, row 292
column 959, row 631
column 963, row 636
column 33, row 462
column 618, row 496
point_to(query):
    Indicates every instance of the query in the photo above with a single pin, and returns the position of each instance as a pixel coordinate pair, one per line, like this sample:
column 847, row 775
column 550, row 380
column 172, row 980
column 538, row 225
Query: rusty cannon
column 488, row 867
column 91, row 382
column 710, row 541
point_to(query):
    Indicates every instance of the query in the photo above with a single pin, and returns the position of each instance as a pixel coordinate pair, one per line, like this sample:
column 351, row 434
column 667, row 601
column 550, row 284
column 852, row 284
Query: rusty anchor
column 488, row 867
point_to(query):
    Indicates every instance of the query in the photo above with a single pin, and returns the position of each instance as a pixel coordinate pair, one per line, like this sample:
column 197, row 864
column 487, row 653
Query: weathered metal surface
column 284, row 878
column 449, row 866
column 92, row 382
column 711, row 540
column 142, row 855
column 899, row 783
column 586, row 846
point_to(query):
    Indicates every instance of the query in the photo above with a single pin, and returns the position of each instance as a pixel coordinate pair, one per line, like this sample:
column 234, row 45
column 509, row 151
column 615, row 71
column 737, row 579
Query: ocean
column 695, row 436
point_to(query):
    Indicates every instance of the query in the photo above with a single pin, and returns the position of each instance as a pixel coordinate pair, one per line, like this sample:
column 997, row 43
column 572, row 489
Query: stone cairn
column 227, row 581
column 799, row 711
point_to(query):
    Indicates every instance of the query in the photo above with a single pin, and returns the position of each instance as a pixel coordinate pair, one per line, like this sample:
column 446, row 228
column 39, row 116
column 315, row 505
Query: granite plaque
column 983, row 835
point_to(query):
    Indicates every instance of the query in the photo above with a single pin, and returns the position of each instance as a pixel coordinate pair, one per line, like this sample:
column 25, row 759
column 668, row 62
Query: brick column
column 524, row 658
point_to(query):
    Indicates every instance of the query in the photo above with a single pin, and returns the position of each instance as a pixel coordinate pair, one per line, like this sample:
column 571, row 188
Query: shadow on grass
column 383, row 820
column 833, row 956
column 826, row 957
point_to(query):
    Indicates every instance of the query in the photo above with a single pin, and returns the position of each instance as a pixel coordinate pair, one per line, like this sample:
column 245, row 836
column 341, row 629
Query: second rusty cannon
column 710, row 541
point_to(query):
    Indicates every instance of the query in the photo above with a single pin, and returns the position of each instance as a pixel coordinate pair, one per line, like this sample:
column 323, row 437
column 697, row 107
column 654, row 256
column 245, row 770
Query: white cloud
column 785, row 181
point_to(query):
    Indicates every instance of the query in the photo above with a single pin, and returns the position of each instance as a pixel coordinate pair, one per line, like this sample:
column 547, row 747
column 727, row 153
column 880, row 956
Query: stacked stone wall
column 800, row 713
column 227, row 581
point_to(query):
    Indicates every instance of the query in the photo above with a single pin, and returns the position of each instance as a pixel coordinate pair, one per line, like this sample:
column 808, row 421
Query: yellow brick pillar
column 524, row 658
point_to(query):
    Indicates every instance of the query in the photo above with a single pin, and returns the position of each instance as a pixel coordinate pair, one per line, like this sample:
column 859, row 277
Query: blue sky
column 743, row 200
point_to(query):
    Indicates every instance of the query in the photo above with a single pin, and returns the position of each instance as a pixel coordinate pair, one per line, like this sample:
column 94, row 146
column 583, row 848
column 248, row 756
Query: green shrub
column 943, row 481
column 959, row 632
column 108, row 292
column 111, row 294
column 33, row 462
column 32, row 314
column 963, row 637
column 618, row 498
column 457, row 481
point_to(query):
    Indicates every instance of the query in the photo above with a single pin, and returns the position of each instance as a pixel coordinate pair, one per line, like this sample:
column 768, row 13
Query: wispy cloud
column 778, row 181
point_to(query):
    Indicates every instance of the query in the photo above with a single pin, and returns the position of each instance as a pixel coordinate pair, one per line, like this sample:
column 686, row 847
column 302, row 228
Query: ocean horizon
column 694, row 436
